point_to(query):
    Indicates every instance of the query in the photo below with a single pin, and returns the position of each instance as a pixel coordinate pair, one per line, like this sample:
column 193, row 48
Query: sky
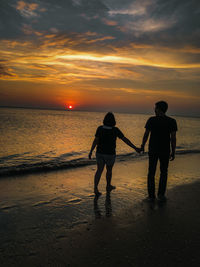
column 101, row 55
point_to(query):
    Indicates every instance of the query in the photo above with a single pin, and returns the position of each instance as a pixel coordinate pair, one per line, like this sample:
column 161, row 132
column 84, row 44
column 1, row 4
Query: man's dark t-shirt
column 107, row 139
column 161, row 127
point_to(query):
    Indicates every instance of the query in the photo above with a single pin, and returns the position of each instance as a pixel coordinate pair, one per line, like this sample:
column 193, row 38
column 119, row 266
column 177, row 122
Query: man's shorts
column 105, row 158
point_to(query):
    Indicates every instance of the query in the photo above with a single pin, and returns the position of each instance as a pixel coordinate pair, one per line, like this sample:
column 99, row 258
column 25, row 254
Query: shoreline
column 47, row 167
column 52, row 219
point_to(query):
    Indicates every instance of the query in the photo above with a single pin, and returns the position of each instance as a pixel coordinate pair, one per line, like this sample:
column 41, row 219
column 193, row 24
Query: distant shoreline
column 98, row 111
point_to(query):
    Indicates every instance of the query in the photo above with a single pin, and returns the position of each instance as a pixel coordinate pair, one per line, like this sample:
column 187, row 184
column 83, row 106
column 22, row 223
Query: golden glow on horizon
column 87, row 77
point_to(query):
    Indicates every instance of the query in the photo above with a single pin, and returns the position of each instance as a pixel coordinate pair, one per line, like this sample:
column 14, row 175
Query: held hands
column 142, row 149
column 137, row 149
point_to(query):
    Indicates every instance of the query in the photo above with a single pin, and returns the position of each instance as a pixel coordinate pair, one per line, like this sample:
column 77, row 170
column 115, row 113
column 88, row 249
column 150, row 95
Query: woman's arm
column 129, row 143
column 95, row 142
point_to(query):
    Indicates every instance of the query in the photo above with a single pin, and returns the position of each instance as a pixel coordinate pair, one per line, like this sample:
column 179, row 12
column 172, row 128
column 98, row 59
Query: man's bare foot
column 162, row 198
column 150, row 199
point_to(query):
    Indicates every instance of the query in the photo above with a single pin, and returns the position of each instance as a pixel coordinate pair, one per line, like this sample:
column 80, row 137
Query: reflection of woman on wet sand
column 108, row 206
column 105, row 140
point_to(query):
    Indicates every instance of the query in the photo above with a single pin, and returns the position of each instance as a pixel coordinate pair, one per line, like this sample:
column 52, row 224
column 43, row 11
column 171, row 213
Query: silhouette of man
column 162, row 145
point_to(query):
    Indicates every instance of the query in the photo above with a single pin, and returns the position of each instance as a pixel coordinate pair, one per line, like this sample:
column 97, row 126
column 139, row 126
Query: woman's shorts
column 105, row 158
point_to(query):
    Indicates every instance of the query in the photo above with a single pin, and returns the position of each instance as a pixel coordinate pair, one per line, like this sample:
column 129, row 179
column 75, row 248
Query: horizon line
column 79, row 110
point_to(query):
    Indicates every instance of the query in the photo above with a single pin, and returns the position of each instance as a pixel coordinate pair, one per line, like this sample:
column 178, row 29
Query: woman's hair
column 109, row 119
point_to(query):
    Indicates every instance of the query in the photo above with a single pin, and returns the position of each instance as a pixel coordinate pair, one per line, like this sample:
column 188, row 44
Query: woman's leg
column 109, row 176
column 100, row 167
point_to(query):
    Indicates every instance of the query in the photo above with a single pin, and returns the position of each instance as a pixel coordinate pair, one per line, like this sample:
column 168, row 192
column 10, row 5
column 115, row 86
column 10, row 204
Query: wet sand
column 149, row 235
column 53, row 219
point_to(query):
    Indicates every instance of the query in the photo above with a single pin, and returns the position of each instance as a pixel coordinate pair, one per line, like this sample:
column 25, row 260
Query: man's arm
column 145, row 138
column 129, row 143
column 95, row 142
column 173, row 145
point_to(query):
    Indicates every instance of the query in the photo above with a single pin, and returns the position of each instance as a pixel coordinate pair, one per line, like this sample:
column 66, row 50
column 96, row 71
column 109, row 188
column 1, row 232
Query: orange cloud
column 52, row 60
column 110, row 22
column 21, row 5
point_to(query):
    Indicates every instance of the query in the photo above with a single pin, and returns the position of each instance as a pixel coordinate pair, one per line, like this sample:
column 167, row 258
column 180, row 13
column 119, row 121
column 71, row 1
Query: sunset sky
column 118, row 55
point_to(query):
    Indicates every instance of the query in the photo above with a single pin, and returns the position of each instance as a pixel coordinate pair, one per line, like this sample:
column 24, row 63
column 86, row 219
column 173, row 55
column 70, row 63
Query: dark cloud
column 170, row 23
column 93, row 8
column 4, row 71
column 186, row 17
column 166, row 23
column 10, row 21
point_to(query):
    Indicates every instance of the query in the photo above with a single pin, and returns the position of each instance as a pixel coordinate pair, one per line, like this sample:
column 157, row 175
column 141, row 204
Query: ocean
column 36, row 140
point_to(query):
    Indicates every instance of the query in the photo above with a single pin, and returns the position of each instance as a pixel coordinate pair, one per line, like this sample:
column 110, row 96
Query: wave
column 58, row 164
column 44, row 166
column 189, row 151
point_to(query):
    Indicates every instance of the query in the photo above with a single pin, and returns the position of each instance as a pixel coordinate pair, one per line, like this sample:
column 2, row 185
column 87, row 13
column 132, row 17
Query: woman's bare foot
column 97, row 193
column 110, row 187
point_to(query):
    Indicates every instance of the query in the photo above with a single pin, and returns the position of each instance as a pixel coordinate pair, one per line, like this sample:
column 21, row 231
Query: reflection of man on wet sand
column 162, row 145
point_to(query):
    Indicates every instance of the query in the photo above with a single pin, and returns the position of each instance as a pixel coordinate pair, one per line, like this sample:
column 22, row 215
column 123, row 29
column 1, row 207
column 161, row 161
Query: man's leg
column 164, row 163
column 153, row 159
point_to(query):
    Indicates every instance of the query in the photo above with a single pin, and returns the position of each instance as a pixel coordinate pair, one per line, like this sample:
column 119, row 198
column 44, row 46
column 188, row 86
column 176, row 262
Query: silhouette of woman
column 105, row 140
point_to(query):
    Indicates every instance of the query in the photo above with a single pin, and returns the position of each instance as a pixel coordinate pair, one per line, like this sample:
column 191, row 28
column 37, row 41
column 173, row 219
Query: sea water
column 37, row 140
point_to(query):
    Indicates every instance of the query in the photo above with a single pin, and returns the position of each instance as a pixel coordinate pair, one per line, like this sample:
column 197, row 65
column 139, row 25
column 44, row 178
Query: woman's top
column 107, row 139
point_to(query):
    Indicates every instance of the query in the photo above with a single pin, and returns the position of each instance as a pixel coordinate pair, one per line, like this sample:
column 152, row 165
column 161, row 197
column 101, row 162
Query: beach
column 89, row 91
column 53, row 218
